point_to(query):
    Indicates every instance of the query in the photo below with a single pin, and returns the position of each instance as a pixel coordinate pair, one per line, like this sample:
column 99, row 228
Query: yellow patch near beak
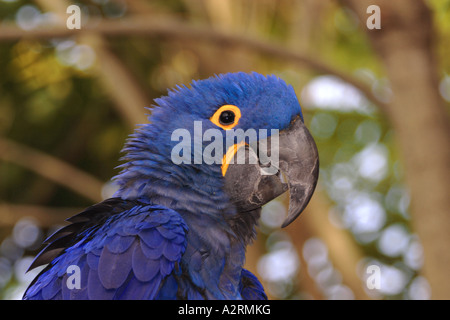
column 229, row 155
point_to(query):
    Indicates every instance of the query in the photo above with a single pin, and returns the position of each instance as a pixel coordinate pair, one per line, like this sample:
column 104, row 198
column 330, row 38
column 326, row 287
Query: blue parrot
column 179, row 224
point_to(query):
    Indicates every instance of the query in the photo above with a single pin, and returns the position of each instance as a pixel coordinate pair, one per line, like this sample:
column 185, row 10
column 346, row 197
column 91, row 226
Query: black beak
column 250, row 186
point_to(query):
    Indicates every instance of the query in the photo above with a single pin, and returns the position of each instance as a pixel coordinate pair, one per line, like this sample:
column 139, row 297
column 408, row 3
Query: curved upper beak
column 250, row 186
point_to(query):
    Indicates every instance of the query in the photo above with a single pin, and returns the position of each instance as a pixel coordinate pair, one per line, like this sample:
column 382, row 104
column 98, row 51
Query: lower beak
column 250, row 186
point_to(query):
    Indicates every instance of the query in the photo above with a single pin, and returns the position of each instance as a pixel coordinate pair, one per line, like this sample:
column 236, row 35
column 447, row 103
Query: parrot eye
column 226, row 117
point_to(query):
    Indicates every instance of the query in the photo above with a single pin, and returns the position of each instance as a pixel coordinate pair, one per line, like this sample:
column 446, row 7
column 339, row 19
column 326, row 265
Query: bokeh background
column 376, row 102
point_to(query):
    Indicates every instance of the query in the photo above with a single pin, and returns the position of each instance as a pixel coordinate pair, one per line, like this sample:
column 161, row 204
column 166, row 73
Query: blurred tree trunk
column 421, row 123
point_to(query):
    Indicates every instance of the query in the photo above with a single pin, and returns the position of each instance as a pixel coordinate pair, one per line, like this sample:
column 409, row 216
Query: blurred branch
column 343, row 250
column 51, row 168
column 177, row 29
column 46, row 216
column 130, row 98
column 300, row 233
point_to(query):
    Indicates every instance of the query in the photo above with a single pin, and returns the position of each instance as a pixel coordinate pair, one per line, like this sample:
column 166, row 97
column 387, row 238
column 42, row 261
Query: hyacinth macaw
column 180, row 231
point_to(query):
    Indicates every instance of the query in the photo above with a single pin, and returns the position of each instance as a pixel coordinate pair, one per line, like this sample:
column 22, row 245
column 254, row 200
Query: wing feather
column 124, row 249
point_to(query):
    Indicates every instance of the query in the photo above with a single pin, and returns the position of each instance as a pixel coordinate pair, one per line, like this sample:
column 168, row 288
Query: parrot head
column 235, row 141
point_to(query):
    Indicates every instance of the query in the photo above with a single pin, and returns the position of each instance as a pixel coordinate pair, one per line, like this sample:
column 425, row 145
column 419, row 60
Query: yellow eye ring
column 226, row 117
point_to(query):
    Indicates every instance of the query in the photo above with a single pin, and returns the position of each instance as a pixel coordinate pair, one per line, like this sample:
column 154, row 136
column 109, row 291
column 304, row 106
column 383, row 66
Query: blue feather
column 113, row 269
column 119, row 244
column 151, row 238
column 151, row 253
column 136, row 289
column 92, row 260
column 169, row 289
column 96, row 290
column 50, row 290
column 111, row 264
column 144, row 268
